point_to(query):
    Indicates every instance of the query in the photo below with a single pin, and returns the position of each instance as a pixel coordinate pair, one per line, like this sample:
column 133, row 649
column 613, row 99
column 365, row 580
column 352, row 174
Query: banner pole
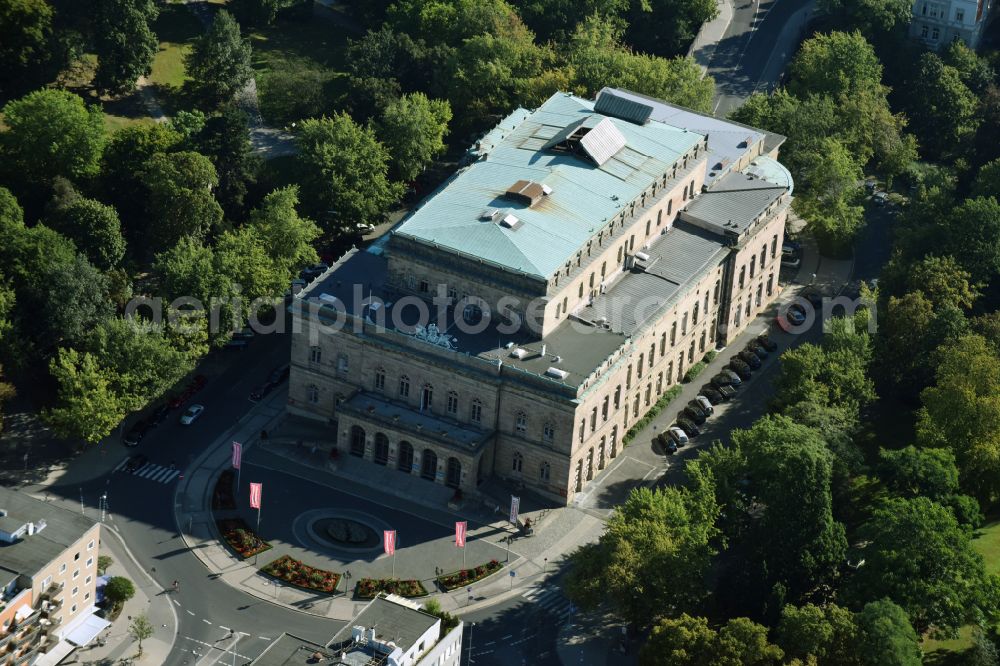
column 258, row 536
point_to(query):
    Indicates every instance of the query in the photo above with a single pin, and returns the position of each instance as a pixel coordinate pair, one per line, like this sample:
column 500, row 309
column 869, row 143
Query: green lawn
column 987, row 543
column 176, row 29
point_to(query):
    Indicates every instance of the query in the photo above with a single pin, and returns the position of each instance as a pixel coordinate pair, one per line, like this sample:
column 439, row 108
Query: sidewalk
column 149, row 599
column 708, row 37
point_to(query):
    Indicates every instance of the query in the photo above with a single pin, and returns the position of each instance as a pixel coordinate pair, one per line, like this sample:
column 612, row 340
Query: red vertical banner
column 256, row 490
column 460, row 528
column 389, row 541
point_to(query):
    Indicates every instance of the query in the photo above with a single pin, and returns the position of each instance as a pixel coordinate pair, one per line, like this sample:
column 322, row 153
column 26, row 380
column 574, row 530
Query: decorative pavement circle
column 342, row 530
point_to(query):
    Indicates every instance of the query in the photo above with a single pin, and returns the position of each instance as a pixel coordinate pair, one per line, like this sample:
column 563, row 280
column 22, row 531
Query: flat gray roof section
column 392, row 622
column 675, row 259
column 289, row 650
column 30, row 554
column 733, row 203
column 727, row 139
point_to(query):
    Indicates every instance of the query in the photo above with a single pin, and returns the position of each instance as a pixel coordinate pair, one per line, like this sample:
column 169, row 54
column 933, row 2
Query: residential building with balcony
column 586, row 256
column 48, row 570
column 938, row 23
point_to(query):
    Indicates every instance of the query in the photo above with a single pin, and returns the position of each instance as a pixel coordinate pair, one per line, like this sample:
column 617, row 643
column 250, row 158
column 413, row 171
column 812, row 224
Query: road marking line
column 170, row 477
column 206, row 621
column 190, row 613
column 503, row 638
column 224, row 628
column 176, row 602
column 264, row 638
column 120, row 465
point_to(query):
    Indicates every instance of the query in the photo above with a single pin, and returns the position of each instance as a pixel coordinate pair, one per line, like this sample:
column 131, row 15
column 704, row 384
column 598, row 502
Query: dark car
column 713, row 396
column 750, row 359
column 767, row 343
column 279, row 374
column 815, row 298
column 261, row 390
column 135, row 462
column 741, row 369
column 695, row 415
column 704, row 409
column 238, row 344
column 721, row 380
column 688, row 426
column 160, row 415
column 135, row 435
column 670, row 447
column 726, row 390
column 664, row 441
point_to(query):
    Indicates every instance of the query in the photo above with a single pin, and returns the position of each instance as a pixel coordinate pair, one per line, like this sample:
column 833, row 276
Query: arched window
column 694, row 315
column 476, row 412
column 404, row 460
column 315, row 355
column 453, row 478
column 313, row 393
column 452, row 402
column 426, row 397
column 521, row 423
column 380, row 379
column 517, row 462
column 544, row 471
column 381, row 454
column 548, row 432
column 358, row 441
column 404, row 386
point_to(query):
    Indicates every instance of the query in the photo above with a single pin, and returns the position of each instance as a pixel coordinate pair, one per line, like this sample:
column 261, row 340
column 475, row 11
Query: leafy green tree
column 913, row 472
column 941, row 107
column 452, row 21
column 119, row 589
column 51, row 133
column 27, row 31
column 885, row 636
column 104, row 563
column 975, row 72
column 987, row 183
column 219, row 62
column 943, row 281
column 188, row 124
column 836, row 64
column 140, row 628
column 413, row 130
column 653, row 557
column 872, row 17
column 921, row 559
column 243, row 258
column 286, row 237
column 225, row 139
column 960, row 413
column 828, row 196
column 190, row 270
column 295, row 91
column 88, row 406
column 7, row 393
column 344, row 172
column 666, row 26
column 971, row 234
column 124, row 42
column 689, row 641
column 94, row 228
column 257, row 12
column 826, row 633
column 598, row 59
column 180, row 197
column 558, row 18
column 72, row 300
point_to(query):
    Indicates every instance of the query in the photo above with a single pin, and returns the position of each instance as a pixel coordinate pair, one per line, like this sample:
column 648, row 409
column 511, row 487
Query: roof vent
column 511, row 221
column 557, row 373
column 519, row 353
column 489, row 215
column 620, row 107
column 642, row 256
column 527, row 192
column 557, row 359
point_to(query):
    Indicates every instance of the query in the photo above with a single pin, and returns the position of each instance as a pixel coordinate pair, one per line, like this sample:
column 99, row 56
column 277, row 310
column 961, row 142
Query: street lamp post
column 471, row 626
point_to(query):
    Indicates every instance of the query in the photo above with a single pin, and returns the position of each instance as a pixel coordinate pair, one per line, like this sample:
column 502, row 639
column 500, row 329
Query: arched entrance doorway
column 454, row 477
column 428, row 465
column 358, row 441
column 381, row 449
column 405, row 463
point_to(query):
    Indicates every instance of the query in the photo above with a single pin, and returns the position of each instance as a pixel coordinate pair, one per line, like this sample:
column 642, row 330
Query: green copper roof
column 582, row 196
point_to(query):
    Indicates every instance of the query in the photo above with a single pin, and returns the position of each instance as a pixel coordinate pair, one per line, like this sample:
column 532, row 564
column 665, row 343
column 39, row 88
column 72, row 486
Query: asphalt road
column 743, row 55
column 142, row 509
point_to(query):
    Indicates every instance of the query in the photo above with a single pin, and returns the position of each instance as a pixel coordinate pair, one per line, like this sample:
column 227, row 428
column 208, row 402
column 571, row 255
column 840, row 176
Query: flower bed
column 241, row 538
column 222, row 498
column 368, row 588
column 296, row 573
column 468, row 576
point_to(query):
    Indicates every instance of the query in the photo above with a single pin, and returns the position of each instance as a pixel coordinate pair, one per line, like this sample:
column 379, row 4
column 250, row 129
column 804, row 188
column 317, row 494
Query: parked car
column 238, row 344
column 693, row 414
column 260, row 391
column 137, row 433
column 880, row 199
column 697, row 406
column 135, row 462
column 160, row 414
column 750, row 359
column 757, row 349
column 767, row 343
column 732, row 376
column 279, row 374
column 363, row 228
column 726, row 390
column 713, row 395
column 871, row 185
column 678, row 435
column 740, row 368
column 790, row 262
column 705, row 404
column 670, row 447
column 191, row 414
column 688, row 426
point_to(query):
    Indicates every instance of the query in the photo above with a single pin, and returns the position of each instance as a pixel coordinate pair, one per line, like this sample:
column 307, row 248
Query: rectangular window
column 743, row 275
column 453, row 293
column 90, row 562
column 652, row 352
column 935, row 34
column 521, row 424
column 477, row 412
column 76, row 574
column 684, row 324
column 315, row 354
column 75, row 591
column 628, row 378
column 959, row 15
column 453, row 403
column 770, row 284
column 72, row 609
column 90, row 546
column 424, row 287
column 548, row 434
column 62, row 569
column 663, row 344
column 342, row 363
column 86, row 596
column 404, row 387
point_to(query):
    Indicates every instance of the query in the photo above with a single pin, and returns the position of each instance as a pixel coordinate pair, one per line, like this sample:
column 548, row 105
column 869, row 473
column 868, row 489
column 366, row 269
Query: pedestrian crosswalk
column 548, row 599
column 153, row 472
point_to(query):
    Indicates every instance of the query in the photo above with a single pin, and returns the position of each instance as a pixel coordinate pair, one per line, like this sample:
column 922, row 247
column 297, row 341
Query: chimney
column 543, row 349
